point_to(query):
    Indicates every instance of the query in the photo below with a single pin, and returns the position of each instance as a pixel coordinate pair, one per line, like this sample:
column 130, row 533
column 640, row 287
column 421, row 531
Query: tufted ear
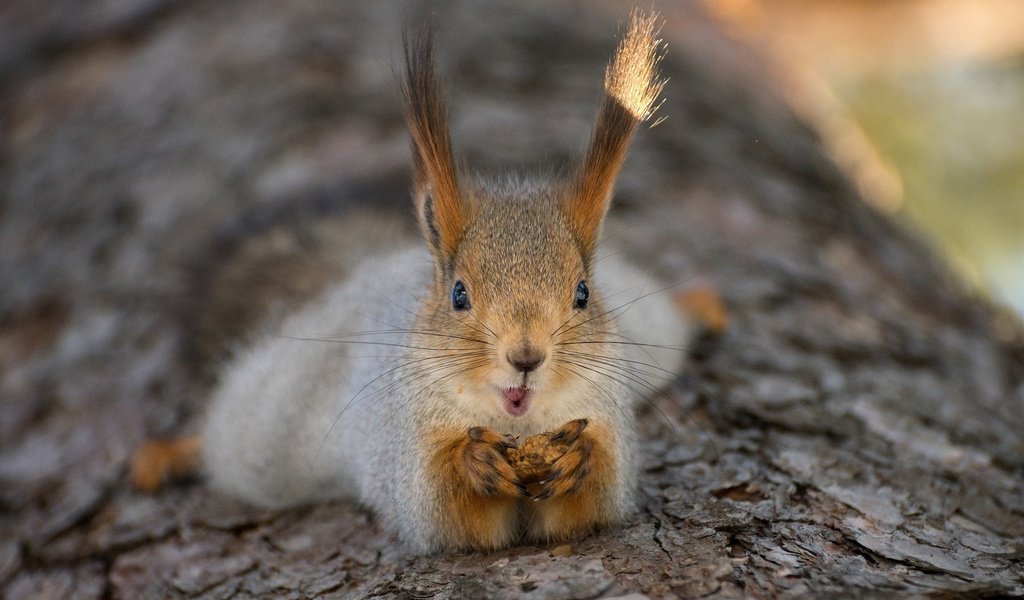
column 632, row 85
column 443, row 213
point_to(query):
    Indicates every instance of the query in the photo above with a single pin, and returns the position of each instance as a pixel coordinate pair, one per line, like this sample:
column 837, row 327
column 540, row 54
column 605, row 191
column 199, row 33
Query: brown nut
column 532, row 460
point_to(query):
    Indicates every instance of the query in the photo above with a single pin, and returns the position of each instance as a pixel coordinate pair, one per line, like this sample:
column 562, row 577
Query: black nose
column 525, row 359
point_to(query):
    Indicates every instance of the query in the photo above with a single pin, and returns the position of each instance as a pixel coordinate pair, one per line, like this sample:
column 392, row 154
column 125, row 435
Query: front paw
column 486, row 467
column 569, row 456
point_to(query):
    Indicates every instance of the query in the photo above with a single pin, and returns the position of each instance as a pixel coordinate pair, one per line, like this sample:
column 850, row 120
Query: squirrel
column 413, row 411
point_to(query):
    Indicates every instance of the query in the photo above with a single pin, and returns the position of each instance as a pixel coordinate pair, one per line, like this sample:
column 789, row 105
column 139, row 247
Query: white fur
column 292, row 422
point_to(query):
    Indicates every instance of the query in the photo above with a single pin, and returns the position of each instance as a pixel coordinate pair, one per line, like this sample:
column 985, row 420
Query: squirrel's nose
column 525, row 359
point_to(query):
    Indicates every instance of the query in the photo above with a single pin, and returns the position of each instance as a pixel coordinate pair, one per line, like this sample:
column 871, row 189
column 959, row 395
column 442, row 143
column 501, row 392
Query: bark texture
column 857, row 429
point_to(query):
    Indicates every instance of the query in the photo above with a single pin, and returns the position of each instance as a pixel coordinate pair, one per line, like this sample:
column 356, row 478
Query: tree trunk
column 857, row 429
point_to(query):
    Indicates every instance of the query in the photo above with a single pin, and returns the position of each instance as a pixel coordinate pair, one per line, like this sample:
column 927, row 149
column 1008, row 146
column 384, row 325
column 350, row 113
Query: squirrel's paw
column 534, row 458
column 485, row 464
column 156, row 462
column 570, row 471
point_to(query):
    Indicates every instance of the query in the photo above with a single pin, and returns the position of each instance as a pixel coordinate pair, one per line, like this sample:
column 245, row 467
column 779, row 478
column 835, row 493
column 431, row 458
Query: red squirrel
column 514, row 336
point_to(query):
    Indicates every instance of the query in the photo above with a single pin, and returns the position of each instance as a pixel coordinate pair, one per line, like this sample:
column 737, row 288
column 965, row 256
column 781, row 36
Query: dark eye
column 460, row 297
column 582, row 295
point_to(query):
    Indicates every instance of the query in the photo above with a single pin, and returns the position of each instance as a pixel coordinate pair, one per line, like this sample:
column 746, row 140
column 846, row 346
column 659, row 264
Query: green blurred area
column 955, row 133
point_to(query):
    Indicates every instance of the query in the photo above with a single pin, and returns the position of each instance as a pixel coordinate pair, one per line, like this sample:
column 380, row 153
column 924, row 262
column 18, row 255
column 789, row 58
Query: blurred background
column 923, row 102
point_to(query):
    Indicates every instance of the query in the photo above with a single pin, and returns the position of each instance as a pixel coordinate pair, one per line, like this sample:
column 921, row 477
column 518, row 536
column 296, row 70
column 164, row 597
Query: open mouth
column 516, row 400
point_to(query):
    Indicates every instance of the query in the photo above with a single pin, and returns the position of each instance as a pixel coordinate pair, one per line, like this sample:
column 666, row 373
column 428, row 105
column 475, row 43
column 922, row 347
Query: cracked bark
column 856, row 430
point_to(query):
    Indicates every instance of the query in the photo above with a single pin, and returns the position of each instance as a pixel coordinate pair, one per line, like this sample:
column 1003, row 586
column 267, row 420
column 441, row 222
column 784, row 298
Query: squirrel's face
column 512, row 296
column 517, row 292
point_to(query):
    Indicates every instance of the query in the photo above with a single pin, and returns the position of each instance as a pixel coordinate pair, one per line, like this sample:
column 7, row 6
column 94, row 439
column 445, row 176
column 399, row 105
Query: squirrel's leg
column 579, row 494
column 478, row 492
column 156, row 462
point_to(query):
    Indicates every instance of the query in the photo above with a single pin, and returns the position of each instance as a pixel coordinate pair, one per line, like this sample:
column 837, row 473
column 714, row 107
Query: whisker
column 611, row 370
column 623, row 343
column 614, row 401
column 482, row 324
column 341, row 341
column 470, row 359
column 413, row 332
column 419, row 301
column 428, row 386
column 668, row 376
column 421, row 370
column 627, row 305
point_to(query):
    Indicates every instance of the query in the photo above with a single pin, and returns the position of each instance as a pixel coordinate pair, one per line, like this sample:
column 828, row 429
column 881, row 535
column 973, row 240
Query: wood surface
column 857, row 430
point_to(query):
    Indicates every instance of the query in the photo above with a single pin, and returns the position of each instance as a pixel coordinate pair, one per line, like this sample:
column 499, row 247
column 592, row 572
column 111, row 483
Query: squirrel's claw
column 569, row 432
column 487, row 468
column 570, row 471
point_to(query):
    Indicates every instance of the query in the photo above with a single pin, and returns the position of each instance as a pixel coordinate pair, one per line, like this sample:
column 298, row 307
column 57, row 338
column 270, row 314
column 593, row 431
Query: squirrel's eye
column 582, row 295
column 460, row 297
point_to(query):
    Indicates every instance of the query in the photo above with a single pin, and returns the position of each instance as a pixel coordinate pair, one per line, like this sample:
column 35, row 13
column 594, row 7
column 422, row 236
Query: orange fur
column 583, row 478
column 156, row 462
column 480, row 493
column 442, row 210
column 632, row 87
column 706, row 307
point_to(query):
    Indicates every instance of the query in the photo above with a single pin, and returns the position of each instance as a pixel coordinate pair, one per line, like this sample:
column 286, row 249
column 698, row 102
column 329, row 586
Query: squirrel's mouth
column 516, row 400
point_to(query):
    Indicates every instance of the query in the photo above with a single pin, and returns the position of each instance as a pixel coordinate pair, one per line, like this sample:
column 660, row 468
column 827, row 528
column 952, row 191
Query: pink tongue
column 515, row 394
column 517, row 401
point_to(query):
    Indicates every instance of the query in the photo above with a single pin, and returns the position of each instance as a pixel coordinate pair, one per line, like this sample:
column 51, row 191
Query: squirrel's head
column 514, row 300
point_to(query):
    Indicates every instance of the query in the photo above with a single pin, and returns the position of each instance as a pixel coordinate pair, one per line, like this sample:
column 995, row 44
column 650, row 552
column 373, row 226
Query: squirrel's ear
column 632, row 86
column 443, row 214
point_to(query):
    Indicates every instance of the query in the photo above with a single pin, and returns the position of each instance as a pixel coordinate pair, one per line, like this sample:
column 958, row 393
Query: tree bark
column 857, row 430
